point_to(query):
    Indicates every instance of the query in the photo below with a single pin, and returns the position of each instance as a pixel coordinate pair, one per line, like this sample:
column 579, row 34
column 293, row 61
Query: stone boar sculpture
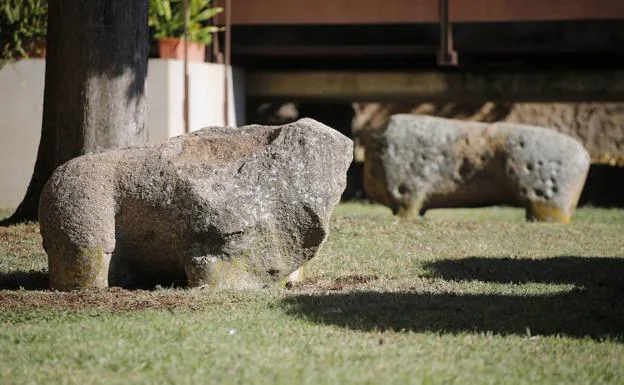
column 223, row 207
column 421, row 162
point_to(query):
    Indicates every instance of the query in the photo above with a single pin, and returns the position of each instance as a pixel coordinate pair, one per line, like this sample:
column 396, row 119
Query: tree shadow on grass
column 26, row 280
column 582, row 271
column 595, row 310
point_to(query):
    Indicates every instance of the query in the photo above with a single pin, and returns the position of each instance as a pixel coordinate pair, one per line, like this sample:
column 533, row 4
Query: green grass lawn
column 465, row 296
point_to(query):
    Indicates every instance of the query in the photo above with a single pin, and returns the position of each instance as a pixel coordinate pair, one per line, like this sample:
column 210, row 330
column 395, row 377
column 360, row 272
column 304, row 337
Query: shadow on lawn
column 37, row 280
column 595, row 309
column 27, row 280
column 580, row 271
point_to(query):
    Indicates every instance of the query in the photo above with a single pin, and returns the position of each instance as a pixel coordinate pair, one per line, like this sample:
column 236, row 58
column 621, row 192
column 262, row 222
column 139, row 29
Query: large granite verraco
column 420, row 162
column 222, row 207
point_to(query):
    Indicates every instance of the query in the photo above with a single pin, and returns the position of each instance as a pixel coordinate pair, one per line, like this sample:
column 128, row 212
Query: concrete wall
column 165, row 87
column 21, row 109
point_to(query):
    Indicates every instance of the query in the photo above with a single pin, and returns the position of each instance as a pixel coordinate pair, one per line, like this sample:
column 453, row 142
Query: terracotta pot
column 173, row 48
column 36, row 49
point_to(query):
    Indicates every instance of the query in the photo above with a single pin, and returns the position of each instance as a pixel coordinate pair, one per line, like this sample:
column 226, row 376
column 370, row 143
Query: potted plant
column 23, row 28
column 166, row 18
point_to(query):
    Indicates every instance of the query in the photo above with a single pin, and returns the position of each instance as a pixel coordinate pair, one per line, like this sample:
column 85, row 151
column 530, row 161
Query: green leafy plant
column 23, row 25
column 166, row 17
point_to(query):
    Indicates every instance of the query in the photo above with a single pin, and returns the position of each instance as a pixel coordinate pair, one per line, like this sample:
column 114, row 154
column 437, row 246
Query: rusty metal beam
column 535, row 10
column 271, row 12
column 434, row 86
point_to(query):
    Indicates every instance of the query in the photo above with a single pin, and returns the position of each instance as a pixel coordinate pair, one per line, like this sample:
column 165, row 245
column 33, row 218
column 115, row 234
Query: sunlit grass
column 465, row 296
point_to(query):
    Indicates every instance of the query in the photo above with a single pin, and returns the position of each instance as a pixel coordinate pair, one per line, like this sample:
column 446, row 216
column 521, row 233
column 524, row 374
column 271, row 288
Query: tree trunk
column 94, row 96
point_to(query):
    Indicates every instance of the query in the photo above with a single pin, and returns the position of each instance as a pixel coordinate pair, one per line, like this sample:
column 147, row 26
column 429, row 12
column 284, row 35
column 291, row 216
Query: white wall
column 21, row 108
column 165, row 87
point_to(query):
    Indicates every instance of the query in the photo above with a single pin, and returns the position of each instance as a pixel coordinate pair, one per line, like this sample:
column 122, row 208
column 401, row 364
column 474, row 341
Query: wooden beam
column 433, row 86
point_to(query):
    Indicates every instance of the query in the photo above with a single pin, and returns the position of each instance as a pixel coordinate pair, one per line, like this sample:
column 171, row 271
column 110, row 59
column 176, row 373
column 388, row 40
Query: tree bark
column 94, row 97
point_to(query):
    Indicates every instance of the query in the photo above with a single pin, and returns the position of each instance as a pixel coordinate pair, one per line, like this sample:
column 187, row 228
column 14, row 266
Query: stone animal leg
column 72, row 268
column 218, row 273
column 79, row 253
column 408, row 212
column 546, row 212
column 198, row 271
column 412, row 209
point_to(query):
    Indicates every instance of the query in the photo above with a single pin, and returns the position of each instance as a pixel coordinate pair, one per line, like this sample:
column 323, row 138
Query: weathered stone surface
column 599, row 126
column 422, row 162
column 222, row 207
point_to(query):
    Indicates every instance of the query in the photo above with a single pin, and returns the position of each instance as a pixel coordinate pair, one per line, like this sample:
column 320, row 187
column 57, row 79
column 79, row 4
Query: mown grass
column 466, row 296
